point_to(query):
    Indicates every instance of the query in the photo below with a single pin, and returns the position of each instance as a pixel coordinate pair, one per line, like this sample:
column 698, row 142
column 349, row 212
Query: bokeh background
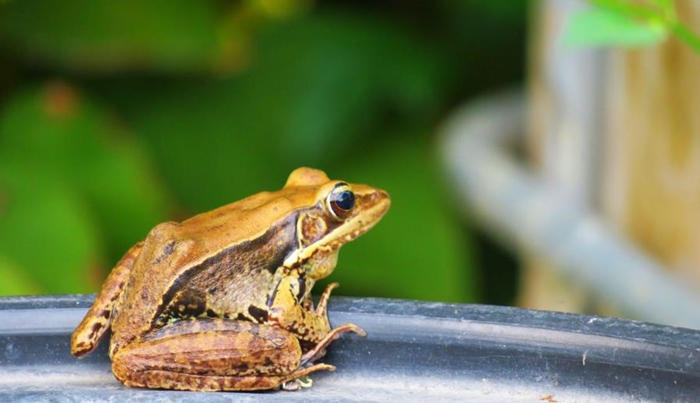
column 114, row 118
column 117, row 116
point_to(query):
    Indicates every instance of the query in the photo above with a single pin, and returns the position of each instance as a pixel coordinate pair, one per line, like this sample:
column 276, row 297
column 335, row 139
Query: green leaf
column 667, row 6
column 601, row 27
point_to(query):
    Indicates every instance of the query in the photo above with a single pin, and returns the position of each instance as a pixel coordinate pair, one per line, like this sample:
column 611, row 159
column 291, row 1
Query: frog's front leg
column 209, row 355
column 97, row 320
column 322, row 307
column 292, row 310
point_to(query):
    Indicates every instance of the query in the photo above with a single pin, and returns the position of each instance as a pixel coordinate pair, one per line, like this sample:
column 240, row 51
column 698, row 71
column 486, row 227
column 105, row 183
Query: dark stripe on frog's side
column 273, row 294
column 302, row 280
column 244, row 261
column 302, row 288
column 259, row 314
column 190, row 305
column 306, row 345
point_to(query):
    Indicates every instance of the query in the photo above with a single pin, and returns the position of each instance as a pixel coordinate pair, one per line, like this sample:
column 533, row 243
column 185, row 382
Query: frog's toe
column 303, row 382
column 300, row 379
column 291, row 386
column 351, row 327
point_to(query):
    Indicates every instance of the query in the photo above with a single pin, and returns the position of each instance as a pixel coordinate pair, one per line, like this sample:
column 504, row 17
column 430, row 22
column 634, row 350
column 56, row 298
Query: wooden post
column 651, row 186
column 619, row 132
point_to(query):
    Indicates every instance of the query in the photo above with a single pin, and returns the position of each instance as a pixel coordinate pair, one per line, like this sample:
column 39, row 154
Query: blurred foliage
column 97, row 36
column 117, row 117
column 67, row 173
column 598, row 27
column 628, row 23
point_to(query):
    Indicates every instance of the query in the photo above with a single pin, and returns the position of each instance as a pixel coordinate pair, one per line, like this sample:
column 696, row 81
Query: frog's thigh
column 209, row 355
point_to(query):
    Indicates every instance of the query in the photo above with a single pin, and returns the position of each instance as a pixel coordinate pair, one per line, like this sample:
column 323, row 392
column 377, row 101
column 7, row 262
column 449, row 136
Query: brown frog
column 221, row 301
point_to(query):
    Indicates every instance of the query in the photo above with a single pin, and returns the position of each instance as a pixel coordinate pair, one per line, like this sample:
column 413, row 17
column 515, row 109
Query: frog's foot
column 322, row 307
column 299, row 379
column 320, row 348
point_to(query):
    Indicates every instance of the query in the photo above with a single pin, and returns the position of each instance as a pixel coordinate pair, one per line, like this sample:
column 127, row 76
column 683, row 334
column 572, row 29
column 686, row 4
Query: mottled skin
column 221, row 301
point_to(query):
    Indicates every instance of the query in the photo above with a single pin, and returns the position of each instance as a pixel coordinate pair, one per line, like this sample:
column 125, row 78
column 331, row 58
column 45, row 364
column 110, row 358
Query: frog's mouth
column 370, row 206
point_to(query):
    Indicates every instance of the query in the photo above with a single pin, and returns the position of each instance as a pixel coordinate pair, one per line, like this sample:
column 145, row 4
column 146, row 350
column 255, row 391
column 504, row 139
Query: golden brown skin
column 221, row 301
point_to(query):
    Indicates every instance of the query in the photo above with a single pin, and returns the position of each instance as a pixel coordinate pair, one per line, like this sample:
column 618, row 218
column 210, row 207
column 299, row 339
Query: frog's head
column 337, row 213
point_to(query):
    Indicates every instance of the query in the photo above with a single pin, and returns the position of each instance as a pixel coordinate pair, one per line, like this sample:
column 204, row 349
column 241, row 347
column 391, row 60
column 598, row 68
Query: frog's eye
column 340, row 201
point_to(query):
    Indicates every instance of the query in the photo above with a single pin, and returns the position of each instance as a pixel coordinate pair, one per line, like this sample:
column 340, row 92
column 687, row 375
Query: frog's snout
column 373, row 202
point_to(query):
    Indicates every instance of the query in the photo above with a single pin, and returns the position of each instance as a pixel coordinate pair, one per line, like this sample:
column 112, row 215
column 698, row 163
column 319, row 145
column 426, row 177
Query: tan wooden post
column 619, row 132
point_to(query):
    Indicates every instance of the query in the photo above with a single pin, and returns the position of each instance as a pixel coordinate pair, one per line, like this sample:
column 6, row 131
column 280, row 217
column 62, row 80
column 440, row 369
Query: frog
column 222, row 301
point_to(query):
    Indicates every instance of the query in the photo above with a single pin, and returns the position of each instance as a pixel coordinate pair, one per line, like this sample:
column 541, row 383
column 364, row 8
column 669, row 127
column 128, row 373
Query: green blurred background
column 115, row 116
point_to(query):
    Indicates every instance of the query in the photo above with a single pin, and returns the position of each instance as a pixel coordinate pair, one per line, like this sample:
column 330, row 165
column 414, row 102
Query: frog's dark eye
column 341, row 200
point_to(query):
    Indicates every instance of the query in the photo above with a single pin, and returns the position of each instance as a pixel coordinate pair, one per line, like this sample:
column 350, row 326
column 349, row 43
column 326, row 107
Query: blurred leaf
column 106, row 36
column 484, row 41
column 281, row 8
column 502, row 10
column 666, row 5
column 602, row 27
column 71, row 183
column 327, row 76
column 45, row 229
column 15, row 280
column 418, row 250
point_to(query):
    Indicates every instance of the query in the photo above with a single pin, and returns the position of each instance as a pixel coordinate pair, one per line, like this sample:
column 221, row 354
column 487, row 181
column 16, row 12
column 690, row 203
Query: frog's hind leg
column 210, row 355
column 160, row 379
column 96, row 321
